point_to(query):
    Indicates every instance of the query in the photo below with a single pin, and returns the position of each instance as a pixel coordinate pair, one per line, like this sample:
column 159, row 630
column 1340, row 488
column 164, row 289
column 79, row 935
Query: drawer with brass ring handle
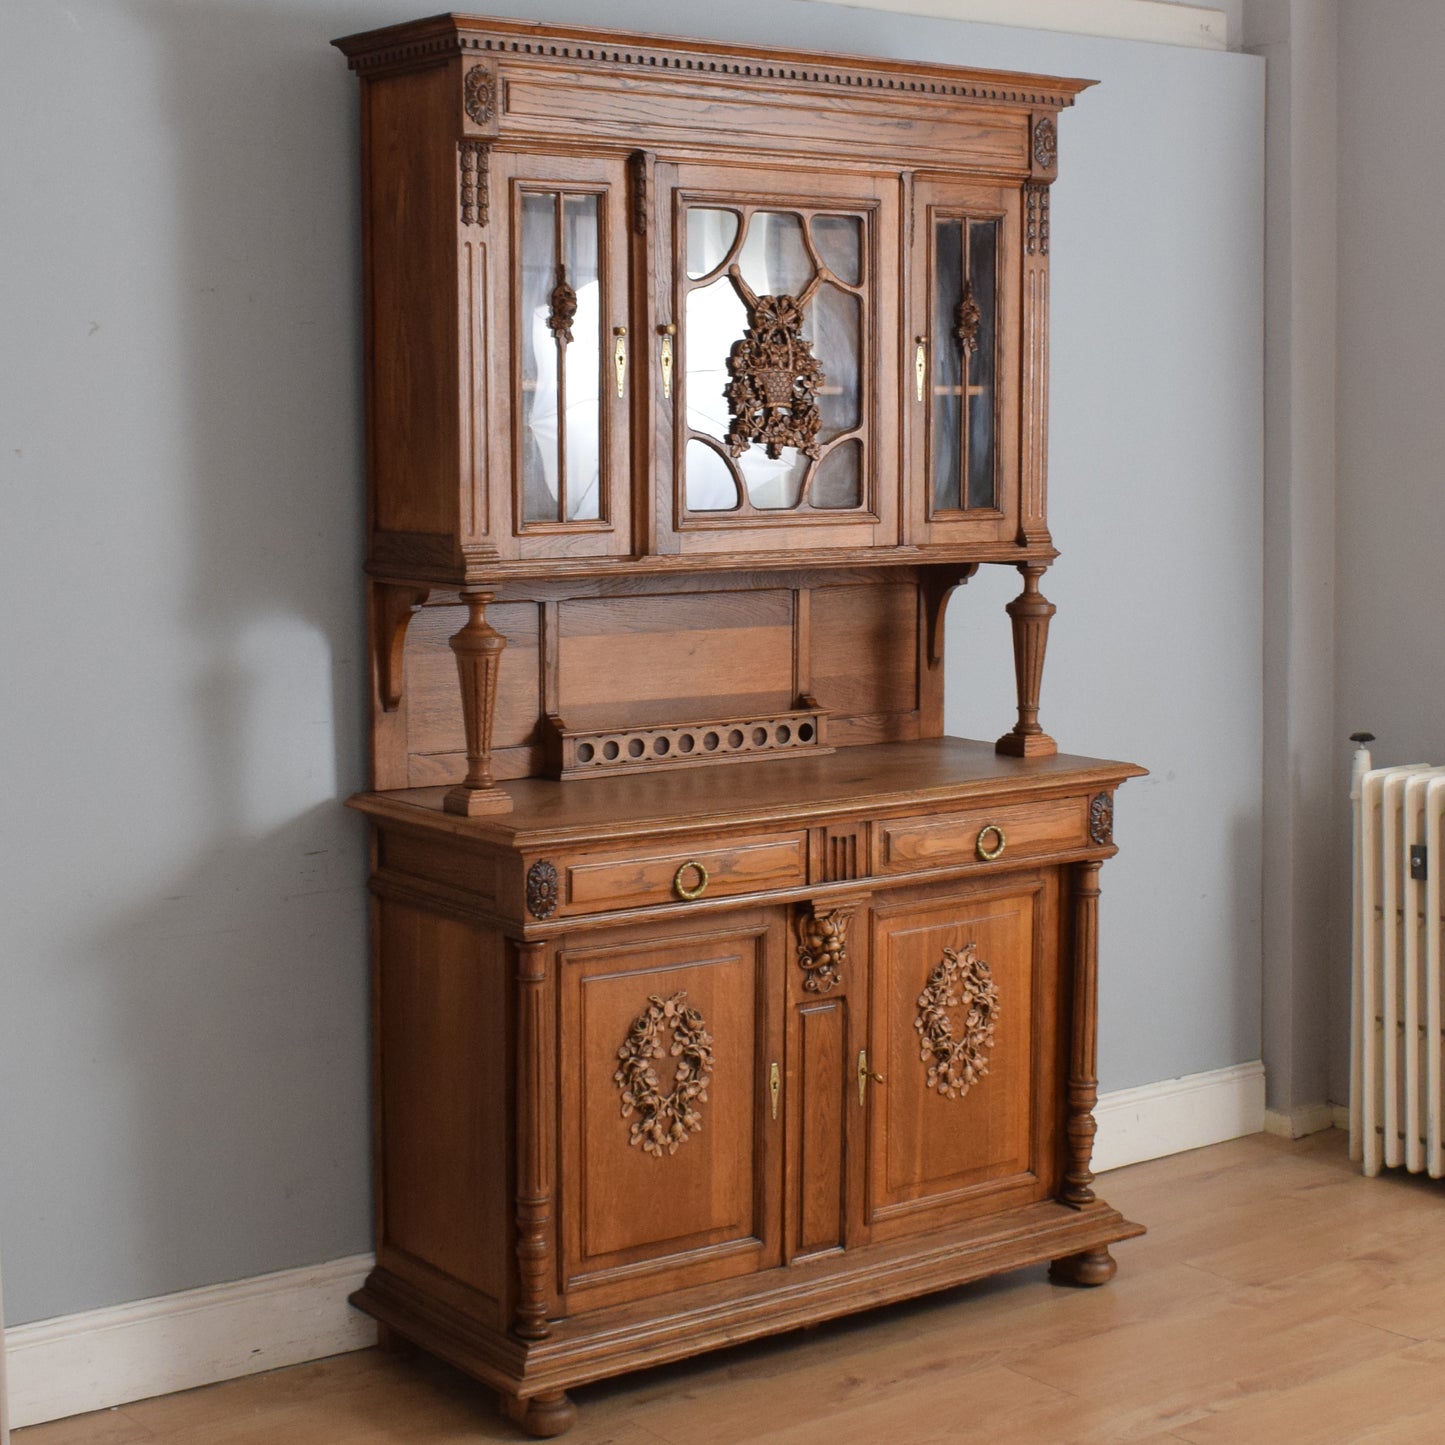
column 989, row 851
column 680, row 887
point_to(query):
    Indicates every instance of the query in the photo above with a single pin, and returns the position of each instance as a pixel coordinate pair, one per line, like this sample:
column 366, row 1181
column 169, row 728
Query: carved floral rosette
column 664, row 1120
column 1101, row 819
column 1046, row 143
column 542, row 889
column 478, row 94
column 956, row 1061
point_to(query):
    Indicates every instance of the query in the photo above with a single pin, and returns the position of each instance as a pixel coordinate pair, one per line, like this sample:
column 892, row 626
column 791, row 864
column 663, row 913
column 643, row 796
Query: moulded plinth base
column 475, row 802
column 1026, row 745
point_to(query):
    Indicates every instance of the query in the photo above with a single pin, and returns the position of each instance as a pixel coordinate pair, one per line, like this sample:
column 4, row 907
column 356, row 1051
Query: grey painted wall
column 182, row 991
column 1391, row 502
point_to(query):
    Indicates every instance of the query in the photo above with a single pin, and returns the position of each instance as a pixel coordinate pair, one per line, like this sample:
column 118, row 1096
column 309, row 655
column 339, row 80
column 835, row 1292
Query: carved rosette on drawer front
column 665, row 1120
column 775, row 376
column 478, row 94
column 822, row 948
column 1101, row 819
column 956, row 1061
column 542, row 889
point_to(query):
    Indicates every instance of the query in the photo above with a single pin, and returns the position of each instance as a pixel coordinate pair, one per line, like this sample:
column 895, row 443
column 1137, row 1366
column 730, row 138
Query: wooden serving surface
column 851, row 780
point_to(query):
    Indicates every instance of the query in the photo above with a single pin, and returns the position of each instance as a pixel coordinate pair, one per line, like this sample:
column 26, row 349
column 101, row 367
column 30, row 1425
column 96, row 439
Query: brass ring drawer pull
column 986, row 851
column 681, row 888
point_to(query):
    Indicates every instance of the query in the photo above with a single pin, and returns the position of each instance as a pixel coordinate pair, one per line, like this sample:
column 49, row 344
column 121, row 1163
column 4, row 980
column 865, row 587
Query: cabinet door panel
column 671, row 1167
column 964, row 363
column 780, row 292
column 561, row 292
column 961, row 1028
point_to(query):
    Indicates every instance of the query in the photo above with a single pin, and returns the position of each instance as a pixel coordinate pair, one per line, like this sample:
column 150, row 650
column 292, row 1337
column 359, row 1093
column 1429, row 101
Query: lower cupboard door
column 963, row 1030
column 671, row 1157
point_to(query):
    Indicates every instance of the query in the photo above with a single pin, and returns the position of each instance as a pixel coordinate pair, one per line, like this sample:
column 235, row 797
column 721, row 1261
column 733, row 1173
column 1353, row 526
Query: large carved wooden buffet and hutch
column 716, row 992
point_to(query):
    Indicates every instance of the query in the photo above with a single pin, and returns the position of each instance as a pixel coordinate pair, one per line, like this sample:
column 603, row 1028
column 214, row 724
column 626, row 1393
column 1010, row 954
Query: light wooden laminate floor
column 1279, row 1297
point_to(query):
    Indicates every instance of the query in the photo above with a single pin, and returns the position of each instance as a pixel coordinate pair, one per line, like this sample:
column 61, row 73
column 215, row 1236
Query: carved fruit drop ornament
column 957, row 1060
column 664, row 1120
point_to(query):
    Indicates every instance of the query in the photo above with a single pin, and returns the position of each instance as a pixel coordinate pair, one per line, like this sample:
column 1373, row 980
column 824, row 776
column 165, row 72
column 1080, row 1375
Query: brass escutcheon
column 681, row 889
column 988, row 854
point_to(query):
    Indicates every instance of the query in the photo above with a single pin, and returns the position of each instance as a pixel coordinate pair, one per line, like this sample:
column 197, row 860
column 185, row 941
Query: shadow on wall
column 240, row 989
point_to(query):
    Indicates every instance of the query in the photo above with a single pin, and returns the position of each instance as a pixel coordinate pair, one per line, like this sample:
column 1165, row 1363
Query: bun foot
column 1094, row 1266
column 543, row 1416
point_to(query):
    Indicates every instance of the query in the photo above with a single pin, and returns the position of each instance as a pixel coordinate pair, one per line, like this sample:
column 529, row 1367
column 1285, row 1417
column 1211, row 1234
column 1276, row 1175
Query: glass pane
column 774, row 261
column 838, row 481
column 582, row 417
column 983, row 278
column 773, row 485
column 839, row 240
column 538, row 434
column 836, row 323
column 710, row 236
column 715, row 319
column 710, row 485
column 947, row 370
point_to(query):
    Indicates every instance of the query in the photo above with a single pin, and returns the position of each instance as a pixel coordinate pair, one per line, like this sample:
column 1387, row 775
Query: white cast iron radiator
column 1395, row 1026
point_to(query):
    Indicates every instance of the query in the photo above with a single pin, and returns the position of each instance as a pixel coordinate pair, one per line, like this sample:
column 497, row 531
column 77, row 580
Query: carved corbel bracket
column 938, row 587
column 393, row 605
column 823, row 946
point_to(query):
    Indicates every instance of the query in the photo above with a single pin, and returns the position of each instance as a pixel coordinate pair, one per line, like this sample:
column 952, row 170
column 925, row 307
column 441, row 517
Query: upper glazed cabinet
column 624, row 306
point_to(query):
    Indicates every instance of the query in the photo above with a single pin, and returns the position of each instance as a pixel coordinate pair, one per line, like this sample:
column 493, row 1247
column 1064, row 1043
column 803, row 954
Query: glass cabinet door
column 772, row 311
column 567, row 373
column 963, row 364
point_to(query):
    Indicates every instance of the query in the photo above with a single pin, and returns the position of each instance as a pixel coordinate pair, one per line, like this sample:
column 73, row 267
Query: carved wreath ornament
column 664, row 1120
column 775, row 376
column 957, row 1061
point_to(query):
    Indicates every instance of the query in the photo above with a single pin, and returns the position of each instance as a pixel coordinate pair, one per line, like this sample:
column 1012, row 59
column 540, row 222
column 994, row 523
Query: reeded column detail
column 478, row 648
column 535, row 1071
column 1083, row 1086
column 1029, row 612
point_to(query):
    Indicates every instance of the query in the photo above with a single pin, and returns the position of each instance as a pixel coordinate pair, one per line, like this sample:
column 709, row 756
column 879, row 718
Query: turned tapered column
column 1029, row 612
column 1083, row 1087
column 536, row 1074
column 478, row 648
column 1094, row 1266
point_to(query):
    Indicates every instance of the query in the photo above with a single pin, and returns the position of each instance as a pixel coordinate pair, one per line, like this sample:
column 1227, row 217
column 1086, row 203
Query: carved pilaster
column 637, row 166
column 1029, row 612
column 1083, row 1087
column 478, row 648
column 536, row 1073
column 1034, row 455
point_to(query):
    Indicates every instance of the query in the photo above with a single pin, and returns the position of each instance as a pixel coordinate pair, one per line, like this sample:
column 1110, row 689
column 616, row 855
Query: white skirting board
column 1178, row 1114
column 1310, row 1119
column 130, row 1352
